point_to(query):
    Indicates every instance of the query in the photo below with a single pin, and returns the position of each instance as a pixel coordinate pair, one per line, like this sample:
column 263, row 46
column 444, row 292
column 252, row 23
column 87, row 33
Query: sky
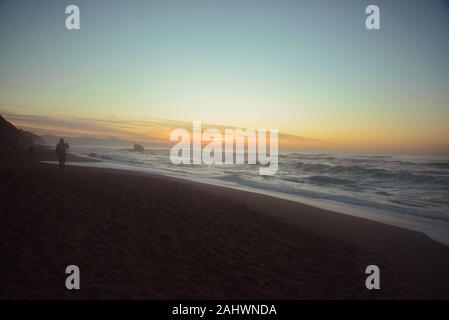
column 307, row 68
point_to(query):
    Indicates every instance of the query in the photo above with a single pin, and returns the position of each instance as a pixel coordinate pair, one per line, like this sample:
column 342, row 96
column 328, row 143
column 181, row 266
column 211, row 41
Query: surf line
column 234, row 151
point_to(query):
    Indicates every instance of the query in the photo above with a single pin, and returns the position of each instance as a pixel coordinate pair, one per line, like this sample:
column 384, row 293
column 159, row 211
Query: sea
column 411, row 192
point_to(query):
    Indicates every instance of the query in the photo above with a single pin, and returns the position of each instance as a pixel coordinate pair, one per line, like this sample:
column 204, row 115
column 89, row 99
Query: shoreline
column 149, row 236
column 242, row 193
column 370, row 214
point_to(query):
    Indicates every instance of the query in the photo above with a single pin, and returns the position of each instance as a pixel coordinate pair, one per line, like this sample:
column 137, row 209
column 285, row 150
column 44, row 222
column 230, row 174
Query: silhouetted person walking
column 61, row 148
column 30, row 151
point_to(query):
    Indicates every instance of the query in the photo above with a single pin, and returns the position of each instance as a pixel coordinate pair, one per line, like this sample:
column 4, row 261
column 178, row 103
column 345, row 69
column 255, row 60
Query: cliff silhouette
column 12, row 137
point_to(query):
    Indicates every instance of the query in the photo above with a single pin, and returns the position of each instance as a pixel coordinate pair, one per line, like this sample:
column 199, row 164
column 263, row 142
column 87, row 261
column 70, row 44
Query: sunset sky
column 307, row 68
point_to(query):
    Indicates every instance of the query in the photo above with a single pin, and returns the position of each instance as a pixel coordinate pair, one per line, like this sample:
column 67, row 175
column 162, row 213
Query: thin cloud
column 152, row 131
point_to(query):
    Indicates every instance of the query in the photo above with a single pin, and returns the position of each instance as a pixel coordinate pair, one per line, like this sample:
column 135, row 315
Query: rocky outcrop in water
column 138, row 148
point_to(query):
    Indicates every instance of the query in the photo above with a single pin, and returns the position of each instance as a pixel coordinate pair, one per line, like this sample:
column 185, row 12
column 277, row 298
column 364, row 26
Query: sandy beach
column 142, row 236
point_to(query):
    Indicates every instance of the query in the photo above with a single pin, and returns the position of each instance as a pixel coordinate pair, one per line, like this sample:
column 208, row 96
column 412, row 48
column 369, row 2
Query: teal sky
column 308, row 68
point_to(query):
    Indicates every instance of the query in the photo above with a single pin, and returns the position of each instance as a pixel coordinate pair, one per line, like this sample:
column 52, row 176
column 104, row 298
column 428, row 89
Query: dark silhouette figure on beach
column 61, row 148
column 30, row 151
column 18, row 139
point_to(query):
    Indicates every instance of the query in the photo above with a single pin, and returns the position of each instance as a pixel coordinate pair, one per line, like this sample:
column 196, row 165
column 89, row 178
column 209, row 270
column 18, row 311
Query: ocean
column 406, row 191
